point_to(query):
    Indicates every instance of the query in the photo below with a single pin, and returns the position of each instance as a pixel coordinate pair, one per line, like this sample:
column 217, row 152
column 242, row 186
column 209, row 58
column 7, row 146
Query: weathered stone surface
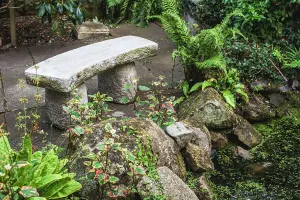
column 198, row 158
column 55, row 102
column 276, row 99
column 62, row 72
column 242, row 153
column 113, row 81
column 207, row 107
column 265, row 86
column 246, row 133
column 206, row 193
column 218, row 140
column 147, row 188
column 173, row 187
column 180, row 133
column 258, row 109
column 90, row 30
column 196, row 143
column 163, row 146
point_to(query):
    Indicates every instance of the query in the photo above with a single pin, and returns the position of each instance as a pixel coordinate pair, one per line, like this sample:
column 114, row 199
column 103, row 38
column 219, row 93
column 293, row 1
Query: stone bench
column 112, row 60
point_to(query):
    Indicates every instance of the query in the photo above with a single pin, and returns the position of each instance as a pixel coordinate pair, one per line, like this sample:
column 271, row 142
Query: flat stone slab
column 62, row 72
column 91, row 29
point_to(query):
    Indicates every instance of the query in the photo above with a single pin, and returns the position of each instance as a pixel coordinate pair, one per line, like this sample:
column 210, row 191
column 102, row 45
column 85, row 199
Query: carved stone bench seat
column 112, row 60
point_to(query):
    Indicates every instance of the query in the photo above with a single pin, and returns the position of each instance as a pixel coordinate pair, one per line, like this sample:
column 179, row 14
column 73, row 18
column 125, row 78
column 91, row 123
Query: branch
column 286, row 80
column 6, row 6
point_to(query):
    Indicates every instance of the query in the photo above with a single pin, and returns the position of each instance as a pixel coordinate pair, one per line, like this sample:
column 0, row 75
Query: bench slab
column 65, row 71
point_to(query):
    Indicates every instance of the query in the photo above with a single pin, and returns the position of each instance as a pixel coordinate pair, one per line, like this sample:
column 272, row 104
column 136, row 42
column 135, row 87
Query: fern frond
column 292, row 58
column 217, row 61
column 170, row 6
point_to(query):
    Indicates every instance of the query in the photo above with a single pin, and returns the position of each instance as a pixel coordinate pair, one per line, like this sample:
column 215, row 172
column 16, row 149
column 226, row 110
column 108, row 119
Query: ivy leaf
column 124, row 100
column 229, row 97
column 97, row 165
column 113, row 179
column 78, row 130
column 144, row 88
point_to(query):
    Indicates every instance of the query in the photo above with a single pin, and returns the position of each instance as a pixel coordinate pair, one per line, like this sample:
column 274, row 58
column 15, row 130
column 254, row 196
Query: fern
column 292, row 58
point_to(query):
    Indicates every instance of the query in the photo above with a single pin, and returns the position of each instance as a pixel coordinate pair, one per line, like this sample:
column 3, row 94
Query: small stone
column 276, row 99
column 246, row 133
column 206, row 193
column 118, row 114
column 173, row 187
column 218, row 140
column 295, row 84
column 243, row 153
column 180, row 133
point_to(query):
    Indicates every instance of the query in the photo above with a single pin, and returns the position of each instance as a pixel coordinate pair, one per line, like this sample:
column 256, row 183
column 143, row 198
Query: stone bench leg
column 55, row 102
column 112, row 82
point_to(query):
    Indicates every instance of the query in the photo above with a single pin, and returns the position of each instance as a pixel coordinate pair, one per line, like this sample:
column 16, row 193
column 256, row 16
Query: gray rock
column 258, row 109
column 206, row 191
column 196, row 143
column 246, row 133
column 55, row 102
column 62, row 72
column 207, row 107
column 173, row 187
column 147, row 188
column 218, row 140
column 113, row 82
column 276, row 99
column 91, row 29
column 243, row 153
column 180, row 133
column 167, row 151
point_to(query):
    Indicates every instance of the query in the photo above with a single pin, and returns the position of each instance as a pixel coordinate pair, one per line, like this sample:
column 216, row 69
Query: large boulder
column 257, row 109
column 207, row 107
column 167, row 151
column 196, row 144
column 173, row 187
column 218, row 140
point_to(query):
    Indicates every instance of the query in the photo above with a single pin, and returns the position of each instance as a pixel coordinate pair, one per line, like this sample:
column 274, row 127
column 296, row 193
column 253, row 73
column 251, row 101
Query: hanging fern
column 292, row 58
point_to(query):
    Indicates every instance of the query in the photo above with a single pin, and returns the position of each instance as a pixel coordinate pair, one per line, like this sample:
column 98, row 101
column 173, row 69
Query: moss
column 277, row 156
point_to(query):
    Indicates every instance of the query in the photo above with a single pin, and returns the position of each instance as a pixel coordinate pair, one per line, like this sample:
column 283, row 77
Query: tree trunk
column 12, row 19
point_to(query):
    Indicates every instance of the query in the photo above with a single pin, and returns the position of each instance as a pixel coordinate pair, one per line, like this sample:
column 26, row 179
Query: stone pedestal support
column 112, row 82
column 55, row 102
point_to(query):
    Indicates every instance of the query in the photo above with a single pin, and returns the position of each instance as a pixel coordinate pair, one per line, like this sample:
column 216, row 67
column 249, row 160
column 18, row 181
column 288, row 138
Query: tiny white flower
column 113, row 131
column 7, row 167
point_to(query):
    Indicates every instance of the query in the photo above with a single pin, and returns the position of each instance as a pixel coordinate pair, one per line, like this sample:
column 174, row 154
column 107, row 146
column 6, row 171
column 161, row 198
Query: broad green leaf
column 42, row 10
column 185, row 88
column 195, row 87
column 229, row 97
column 206, row 84
column 97, row 165
column 55, row 187
column 54, row 26
column 37, row 198
column 68, row 189
column 60, row 166
column 43, row 181
column 25, row 154
column 242, row 93
column 27, row 191
column 5, row 148
column 144, row 88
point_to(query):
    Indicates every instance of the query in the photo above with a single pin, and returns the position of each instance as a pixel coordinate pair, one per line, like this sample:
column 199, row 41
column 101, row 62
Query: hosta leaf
column 27, row 191
column 229, row 97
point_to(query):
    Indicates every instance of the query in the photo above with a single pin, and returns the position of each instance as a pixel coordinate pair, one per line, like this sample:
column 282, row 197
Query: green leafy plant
column 290, row 58
column 156, row 106
column 35, row 176
column 229, row 87
column 61, row 13
column 99, row 169
column 202, row 51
